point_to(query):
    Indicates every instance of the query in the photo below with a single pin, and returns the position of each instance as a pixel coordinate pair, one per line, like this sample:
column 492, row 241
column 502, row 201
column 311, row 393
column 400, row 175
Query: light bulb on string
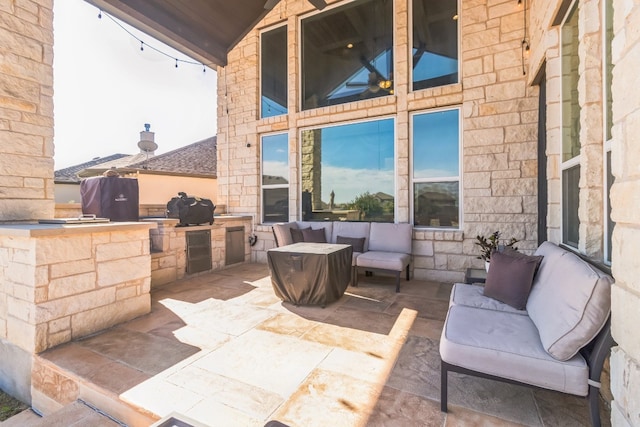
column 99, row 14
column 176, row 62
column 141, row 45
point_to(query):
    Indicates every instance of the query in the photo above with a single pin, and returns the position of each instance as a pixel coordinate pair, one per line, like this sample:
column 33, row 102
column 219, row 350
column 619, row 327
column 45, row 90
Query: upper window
column 273, row 77
column 347, row 54
column 435, row 43
column 436, row 169
column 570, row 162
column 348, row 172
column 275, row 178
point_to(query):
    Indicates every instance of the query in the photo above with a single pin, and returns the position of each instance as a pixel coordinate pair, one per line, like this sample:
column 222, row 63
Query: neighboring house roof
column 197, row 159
column 383, row 197
column 70, row 174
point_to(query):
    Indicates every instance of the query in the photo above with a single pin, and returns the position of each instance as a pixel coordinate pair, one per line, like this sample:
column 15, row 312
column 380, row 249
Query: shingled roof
column 197, row 159
column 70, row 174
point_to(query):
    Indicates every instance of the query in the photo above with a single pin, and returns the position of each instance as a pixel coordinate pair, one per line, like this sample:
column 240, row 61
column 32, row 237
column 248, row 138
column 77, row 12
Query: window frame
column 413, row 180
column 410, row 49
column 300, row 61
column 274, row 186
column 260, row 68
column 349, row 122
column 566, row 165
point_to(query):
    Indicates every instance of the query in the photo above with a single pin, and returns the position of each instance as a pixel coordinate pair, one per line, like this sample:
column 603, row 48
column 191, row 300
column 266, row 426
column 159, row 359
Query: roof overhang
column 205, row 30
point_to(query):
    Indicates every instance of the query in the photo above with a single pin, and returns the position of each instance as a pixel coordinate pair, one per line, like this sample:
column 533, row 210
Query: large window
column 435, row 43
column 273, row 77
column 348, row 172
column 275, row 178
column 436, row 169
column 347, row 54
column 570, row 130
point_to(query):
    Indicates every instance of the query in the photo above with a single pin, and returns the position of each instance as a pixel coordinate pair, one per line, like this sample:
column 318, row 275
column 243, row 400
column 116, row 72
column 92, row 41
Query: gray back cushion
column 387, row 237
column 282, row 233
column 569, row 302
column 352, row 229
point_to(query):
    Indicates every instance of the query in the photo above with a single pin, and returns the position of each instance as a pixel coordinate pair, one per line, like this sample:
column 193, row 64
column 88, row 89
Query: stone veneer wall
column 26, row 110
column 625, row 199
column 61, row 283
column 499, row 114
column 168, row 243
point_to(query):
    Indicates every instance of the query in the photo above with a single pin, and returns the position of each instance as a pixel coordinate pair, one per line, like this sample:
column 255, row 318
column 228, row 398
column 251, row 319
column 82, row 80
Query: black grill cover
column 110, row 197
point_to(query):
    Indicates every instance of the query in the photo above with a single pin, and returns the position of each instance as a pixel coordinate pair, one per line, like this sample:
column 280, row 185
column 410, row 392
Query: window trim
column 262, row 32
column 410, row 48
column 413, row 180
column 273, row 186
column 349, row 122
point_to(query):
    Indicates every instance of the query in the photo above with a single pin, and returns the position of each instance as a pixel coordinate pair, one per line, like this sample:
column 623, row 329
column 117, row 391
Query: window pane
column 436, row 204
column 435, row 43
column 570, row 200
column 347, row 54
column 275, row 204
column 436, row 144
column 348, row 172
column 275, row 160
column 274, row 72
column 570, row 106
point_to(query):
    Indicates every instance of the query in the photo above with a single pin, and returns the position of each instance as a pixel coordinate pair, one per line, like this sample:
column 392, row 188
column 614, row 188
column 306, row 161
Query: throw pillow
column 314, row 236
column 296, row 234
column 510, row 278
column 356, row 242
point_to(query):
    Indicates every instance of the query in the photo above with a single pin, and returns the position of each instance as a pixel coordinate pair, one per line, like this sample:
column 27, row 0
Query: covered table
column 310, row 273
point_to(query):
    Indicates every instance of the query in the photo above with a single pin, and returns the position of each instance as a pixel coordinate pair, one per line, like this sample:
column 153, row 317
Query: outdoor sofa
column 557, row 338
column 377, row 246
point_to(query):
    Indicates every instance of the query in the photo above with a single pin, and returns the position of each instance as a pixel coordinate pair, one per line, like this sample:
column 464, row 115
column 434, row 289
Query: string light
column 143, row 44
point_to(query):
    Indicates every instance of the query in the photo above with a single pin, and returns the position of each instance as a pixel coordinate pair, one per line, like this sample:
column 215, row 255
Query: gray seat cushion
column 383, row 260
column 473, row 296
column 502, row 344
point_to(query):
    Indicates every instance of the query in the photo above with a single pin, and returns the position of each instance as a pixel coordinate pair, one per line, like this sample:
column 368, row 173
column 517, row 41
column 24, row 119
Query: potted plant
column 490, row 244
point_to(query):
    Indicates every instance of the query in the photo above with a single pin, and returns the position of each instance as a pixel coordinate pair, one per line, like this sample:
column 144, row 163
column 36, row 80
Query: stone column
column 625, row 199
column 26, row 110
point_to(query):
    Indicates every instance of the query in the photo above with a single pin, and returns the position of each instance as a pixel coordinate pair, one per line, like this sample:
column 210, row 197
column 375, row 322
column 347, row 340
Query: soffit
column 205, row 30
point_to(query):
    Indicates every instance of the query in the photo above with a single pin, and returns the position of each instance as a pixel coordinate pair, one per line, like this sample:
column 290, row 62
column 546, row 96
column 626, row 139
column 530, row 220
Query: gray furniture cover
column 110, row 197
column 310, row 273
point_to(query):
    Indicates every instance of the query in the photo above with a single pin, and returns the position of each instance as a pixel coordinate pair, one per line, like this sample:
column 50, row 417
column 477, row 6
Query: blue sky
column 106, row 89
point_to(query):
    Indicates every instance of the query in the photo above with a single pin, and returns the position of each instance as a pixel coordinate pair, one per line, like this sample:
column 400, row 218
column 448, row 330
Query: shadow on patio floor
column 222, row 349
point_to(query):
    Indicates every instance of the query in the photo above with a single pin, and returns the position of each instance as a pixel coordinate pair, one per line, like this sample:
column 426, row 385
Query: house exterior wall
column 26, row 110
column 545, row 55
column 499, row 127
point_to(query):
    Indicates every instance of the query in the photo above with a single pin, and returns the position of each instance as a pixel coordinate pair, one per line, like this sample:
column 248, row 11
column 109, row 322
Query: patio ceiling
column 203, row 29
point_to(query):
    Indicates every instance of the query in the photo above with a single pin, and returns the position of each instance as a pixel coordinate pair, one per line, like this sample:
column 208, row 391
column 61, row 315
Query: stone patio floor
column 223, row 350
